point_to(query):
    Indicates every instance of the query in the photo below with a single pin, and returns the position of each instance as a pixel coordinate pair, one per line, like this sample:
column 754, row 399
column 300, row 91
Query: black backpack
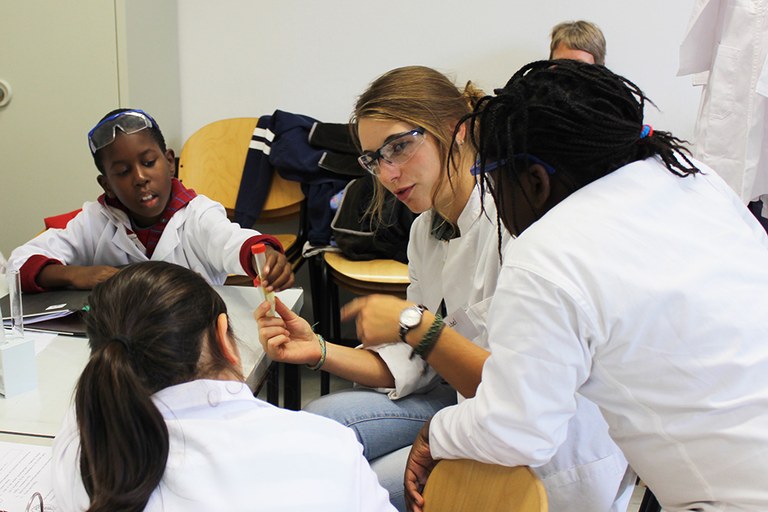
column 360, row 236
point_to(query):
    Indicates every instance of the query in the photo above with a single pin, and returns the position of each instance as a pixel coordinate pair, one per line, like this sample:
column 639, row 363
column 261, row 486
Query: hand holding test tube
column 259, row 252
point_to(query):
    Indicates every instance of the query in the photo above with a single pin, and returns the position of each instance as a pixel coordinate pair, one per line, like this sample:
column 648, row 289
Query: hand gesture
column 287, row 338
column 417, row 469
column 277, row 270
column 377, row 318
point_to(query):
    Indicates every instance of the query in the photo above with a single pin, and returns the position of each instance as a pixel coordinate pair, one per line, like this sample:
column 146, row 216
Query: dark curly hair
column 582, row 119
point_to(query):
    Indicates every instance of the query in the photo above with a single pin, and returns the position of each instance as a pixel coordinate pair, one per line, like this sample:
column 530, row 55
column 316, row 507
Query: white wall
column 250, row 57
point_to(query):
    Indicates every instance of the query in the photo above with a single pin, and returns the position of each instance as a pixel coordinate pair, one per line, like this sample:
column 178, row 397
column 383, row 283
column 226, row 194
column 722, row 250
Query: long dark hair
column 582, row 119
column 146, row 326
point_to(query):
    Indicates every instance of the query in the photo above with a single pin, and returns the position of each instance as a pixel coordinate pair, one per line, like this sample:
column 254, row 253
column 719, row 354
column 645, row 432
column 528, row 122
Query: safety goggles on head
column 129, row 122
column 397, row 151
column 523, row 158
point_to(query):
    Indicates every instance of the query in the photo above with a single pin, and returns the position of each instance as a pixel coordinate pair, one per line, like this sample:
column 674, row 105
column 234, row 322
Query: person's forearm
column 358, row 365
column 55, row 276
column 457, row 360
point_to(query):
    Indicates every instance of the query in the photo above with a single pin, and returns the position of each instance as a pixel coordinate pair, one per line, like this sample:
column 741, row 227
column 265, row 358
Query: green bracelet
column 427, row 343
column 321, row 362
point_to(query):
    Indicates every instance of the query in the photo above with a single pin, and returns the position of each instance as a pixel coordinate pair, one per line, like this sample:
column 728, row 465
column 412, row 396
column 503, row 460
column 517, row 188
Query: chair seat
column 371, row 276
column 369, row 271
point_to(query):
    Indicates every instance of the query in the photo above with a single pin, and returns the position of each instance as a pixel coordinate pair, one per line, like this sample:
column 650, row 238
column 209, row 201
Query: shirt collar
column 201, row 393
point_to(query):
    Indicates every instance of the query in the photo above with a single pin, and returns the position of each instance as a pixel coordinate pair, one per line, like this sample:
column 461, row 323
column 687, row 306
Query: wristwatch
column 410, row 318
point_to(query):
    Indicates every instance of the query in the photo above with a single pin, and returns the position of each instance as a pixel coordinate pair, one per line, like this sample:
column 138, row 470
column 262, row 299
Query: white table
column 39, row 413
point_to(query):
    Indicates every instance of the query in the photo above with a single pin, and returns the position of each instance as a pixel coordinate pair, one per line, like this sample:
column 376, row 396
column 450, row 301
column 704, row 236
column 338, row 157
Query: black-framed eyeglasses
column 129, row 122
column 396, row 151
column 524, row 158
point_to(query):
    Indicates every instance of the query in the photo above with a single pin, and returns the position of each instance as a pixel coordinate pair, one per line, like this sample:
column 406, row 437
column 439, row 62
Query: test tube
column 2, row 329
column 259, row 252
column 17, row 314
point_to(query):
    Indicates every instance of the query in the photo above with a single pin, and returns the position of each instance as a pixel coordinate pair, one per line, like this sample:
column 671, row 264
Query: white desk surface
column 41, row 411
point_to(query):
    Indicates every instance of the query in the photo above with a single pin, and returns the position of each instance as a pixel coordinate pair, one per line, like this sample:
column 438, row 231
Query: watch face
column 410, row 317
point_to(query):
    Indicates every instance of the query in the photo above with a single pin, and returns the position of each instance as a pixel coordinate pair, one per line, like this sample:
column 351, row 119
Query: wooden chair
column 469, row 486
column 332, row 271
column 212, row 162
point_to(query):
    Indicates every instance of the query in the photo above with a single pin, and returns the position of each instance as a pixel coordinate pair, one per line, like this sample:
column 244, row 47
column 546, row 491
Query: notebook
column 57, row 311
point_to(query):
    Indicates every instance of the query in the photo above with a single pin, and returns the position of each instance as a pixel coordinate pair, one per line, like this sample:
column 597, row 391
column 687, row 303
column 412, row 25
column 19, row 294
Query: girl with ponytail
column 163, row 420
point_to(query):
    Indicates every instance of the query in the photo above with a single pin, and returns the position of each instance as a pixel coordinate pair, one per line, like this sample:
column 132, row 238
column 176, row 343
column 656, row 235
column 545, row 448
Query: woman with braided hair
column 163, row 420
column 637, row 279
column 406, row 122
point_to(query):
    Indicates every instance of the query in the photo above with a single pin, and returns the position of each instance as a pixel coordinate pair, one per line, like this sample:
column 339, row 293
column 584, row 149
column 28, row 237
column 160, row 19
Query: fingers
column 282, row 279
column 270, row 259
column 262, row 310
column 278, row 272
column 276, row 344
column 284, row 311
column 353, row 308
column 413, row 499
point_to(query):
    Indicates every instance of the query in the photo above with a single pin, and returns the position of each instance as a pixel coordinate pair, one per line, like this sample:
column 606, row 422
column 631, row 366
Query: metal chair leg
column 649, row 503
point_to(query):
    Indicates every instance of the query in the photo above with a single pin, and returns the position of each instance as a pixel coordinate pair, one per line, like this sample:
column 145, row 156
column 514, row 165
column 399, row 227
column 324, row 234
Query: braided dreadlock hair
column 582, row 119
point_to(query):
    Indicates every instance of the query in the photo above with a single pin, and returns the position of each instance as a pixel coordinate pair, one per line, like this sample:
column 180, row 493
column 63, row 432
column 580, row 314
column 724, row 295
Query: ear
column 104, row 183
column 170, row 156
column 226, row 343
column 461, row 135
column 537, row 185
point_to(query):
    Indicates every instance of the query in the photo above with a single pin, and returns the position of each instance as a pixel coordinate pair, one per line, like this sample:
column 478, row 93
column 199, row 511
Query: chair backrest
column 212, row 162
column 469, row 486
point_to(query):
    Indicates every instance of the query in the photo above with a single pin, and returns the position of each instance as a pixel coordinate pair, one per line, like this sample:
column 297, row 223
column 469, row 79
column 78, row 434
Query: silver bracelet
column 321, row 362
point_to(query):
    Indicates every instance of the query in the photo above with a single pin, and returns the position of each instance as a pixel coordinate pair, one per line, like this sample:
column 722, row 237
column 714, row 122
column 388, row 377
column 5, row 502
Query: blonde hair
column 579, row 35
column 423, row 97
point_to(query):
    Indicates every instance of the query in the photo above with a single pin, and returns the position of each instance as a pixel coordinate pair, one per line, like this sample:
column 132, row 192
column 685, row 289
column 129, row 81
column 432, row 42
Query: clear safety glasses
column 397, row 151
column 521, row 158
column 129, row 122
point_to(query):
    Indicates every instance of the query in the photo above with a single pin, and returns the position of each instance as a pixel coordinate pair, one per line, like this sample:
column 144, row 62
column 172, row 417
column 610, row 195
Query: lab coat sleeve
column 539, row 359
column 214, row 238
column 77, row 244
column 411, row 375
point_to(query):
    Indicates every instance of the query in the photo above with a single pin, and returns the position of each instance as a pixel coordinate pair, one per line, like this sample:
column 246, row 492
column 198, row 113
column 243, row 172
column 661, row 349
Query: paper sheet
column 24, row 469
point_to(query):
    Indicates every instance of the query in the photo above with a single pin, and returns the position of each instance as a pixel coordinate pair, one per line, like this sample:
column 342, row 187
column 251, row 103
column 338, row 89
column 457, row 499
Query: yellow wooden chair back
column 212, row 162
column 469, row 486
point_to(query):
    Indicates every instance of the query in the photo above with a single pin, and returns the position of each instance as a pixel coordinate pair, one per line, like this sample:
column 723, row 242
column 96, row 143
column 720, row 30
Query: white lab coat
column 589, row 472
column 232, row 452
column 463, row 271
column 198, row 236
column 726, row 46
column 650, row 292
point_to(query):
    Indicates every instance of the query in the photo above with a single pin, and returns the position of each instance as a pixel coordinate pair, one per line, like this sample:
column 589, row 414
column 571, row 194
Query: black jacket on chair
column 322, row 157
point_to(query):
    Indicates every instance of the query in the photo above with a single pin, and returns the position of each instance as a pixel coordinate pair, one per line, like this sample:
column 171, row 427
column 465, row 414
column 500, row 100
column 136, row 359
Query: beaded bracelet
column 427, row 343
column 321, row 362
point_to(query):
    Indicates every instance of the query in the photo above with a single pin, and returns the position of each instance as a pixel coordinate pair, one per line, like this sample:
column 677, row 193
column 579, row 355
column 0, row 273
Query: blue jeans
column 384, row 426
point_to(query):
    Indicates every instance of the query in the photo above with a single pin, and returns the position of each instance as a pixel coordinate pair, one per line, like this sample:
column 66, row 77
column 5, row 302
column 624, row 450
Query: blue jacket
column 299, row 148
